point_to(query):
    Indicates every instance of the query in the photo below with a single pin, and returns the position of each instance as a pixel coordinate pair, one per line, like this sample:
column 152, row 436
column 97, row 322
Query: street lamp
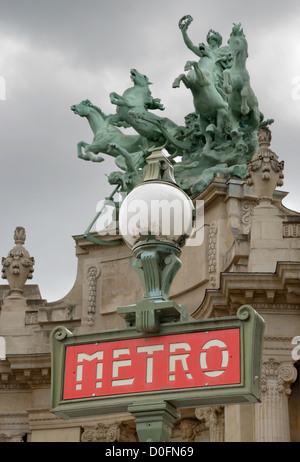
column 155, row 220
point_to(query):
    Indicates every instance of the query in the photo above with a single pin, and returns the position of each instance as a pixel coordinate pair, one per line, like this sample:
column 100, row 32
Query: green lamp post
column 155, row 220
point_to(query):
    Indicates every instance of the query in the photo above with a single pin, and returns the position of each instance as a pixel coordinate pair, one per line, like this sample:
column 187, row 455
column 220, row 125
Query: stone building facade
column 250, row 254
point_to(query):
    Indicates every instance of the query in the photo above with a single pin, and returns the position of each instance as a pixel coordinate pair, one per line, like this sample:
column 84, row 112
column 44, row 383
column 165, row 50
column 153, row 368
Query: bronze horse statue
column 241, row 98
column 133, row 111
column 104, row 135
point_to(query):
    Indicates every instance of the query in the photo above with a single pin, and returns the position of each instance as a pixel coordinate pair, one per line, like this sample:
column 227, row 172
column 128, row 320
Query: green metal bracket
column 154, row 421
column 156, row 264
column 148, row 315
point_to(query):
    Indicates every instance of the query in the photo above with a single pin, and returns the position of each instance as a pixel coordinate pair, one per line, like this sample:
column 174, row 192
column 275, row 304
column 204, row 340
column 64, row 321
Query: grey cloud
column 44, row 187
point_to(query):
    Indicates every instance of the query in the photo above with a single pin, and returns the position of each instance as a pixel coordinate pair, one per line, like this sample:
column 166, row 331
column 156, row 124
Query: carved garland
column 92, row 275
column 212, row 253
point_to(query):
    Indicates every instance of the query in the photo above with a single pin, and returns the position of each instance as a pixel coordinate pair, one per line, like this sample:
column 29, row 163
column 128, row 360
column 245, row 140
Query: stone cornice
column 25, row 371
column 277, row 291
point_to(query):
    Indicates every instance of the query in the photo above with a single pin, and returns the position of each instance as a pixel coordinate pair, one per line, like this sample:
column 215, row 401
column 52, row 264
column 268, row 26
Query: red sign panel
column 197, row 359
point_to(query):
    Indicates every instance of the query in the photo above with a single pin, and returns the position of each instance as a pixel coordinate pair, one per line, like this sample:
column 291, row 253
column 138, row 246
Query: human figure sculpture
column 204, row 81
column 208, row 102
column 132, row 174
column 214, row 40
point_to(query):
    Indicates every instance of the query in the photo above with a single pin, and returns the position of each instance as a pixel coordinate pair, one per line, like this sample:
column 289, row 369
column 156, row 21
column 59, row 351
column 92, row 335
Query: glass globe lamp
column 155, row 219
column 156, row 211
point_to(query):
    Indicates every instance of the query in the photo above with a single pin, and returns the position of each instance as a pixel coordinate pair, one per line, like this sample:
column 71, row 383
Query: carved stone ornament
column 212, row 253
column 215, row 421
column 283, row 374
column 187, row 429
column 17, row 267
column 92, row 275
column 264, row 171
column 109, row 434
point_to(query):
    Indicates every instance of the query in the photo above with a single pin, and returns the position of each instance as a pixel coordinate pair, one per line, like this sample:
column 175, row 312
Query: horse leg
column 80, row 145
column 244, row 106
column 176, row 83
column 88, row 155
column 222, row 116
column 227, row 85
column 204, row 124
column 116, row 99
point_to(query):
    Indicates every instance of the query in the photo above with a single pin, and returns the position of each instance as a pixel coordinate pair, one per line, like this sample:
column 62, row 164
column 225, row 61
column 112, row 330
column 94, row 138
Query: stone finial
column 17, row 267
column 264, row 171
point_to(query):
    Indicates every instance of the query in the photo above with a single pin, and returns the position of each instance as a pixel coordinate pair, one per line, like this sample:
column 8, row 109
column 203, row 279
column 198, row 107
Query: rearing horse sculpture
column 241, row 98
column 132, row 110
column 104, row 135
column 208, row 102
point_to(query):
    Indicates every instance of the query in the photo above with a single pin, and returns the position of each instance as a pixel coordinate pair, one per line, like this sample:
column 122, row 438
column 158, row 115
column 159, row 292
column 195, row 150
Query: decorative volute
column 264, row 171
column 17, row 267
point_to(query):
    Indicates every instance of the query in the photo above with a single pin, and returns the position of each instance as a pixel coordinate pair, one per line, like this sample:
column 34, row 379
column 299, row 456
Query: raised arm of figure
column 183, row 24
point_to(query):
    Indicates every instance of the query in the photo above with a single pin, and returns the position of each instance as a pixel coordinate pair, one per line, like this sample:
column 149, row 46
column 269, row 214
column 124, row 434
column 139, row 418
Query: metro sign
column 188, row 364
column 138, row 365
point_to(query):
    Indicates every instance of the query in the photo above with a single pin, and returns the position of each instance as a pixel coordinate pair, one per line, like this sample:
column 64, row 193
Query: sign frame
column 247, row 320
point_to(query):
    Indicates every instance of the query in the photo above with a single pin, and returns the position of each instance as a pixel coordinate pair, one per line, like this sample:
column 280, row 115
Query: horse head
column 237, row 41
column 205, row 51
column 82, row 108
column 139, row 79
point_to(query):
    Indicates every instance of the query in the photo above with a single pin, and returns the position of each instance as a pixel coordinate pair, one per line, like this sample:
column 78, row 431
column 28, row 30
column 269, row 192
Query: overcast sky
column 56, row 53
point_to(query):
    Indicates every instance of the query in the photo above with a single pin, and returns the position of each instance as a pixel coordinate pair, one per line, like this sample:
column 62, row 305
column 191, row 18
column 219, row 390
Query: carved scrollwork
column 61, row 333
column 187, row 429
column 102, row 433
column 244, row 312
column 247, row 212
column 214, row 420
column 283, row 373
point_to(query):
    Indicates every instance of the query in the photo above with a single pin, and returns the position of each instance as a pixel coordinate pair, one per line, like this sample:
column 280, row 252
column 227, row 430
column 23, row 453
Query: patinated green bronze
column 219, row 137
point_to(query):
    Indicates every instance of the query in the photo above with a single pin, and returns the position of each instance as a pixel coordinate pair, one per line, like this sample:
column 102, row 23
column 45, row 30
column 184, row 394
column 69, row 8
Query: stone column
column 214, row 418
column 272, row 414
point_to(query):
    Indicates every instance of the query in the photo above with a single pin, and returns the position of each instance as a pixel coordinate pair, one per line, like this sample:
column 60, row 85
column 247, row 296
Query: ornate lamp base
column 156, row 264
